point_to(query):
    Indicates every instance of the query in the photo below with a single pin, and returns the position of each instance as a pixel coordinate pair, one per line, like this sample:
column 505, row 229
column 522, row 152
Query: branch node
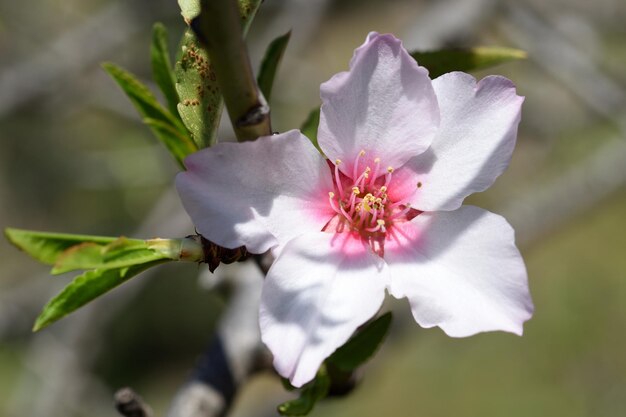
column 255, row 115
column 129, row 404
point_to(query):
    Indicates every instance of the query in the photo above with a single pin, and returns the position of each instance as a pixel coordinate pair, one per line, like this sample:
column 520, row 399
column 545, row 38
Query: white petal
column 461, row 271
column 385, row 105
column 257, row 194
column 474, row 143
column 317, row 292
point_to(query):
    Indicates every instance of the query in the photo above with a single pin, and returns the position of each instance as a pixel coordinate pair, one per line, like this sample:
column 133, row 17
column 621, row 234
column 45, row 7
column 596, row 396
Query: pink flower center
column 363, row 205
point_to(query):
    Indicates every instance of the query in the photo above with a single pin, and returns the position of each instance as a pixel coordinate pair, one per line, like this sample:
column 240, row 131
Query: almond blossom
column 380, row 211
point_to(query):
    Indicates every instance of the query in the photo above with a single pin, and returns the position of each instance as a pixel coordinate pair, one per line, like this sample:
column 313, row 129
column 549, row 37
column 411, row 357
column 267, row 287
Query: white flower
column 383, row 212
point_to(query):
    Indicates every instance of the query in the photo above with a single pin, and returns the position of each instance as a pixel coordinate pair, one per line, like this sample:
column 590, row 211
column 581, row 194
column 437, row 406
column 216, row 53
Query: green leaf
column 309, row 127
column 120, row 253
column 85, row 288
column 472, row 59
column 270, row 62
column 362, row 345
column 201, row 103
column 189, row 9
column 162, row 71
column 149, row 107
column 309, row 395
column 182, row 143
column 47, row 247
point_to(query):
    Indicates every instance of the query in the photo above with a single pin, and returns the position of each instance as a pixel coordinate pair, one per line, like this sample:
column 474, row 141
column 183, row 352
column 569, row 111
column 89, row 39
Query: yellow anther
column 378, row 200
column 356, row 190
column 380, row 222
column 331, row 194
column 377, row 160
column 337, row 161
column 383, row 189
column 362, row 153
column 390, row 169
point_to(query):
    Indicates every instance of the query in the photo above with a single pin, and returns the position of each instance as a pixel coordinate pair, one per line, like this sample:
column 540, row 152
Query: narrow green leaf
column 182, row 144
column 472, row 59
column 310, row 394
column 162, row 70
column 84, row 288
column 270, row 62
column 149, row 107
column 47, row 247
column 201, row 103
column 120, row 253
column 139, row 94
column 309, row 127
column 362, row 345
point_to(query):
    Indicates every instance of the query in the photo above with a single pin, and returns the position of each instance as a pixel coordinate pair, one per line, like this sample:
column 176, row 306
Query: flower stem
column 219, row 30
column 188, row 249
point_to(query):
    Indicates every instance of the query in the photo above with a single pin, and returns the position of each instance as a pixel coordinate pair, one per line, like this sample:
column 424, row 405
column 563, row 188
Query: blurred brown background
column 74, row 157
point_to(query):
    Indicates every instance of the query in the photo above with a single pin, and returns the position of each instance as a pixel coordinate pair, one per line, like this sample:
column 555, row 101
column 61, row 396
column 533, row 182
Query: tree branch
column 234, row 353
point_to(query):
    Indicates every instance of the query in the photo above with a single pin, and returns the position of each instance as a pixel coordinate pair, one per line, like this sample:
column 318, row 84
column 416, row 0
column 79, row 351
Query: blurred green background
column 74, row 157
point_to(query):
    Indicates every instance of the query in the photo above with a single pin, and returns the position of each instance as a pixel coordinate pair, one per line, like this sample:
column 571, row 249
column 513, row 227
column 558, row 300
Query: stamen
column 375, row 174
column 388, row 178
column 362, row 178
column 367, row 200
column 343, row 211
column 331, row 197
column 362, row 216
column 398, row 203
column 380, row 225
column 401, row 212
column 356, row 163
column 374, row 215
column 337, row 177
column 353, row 196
